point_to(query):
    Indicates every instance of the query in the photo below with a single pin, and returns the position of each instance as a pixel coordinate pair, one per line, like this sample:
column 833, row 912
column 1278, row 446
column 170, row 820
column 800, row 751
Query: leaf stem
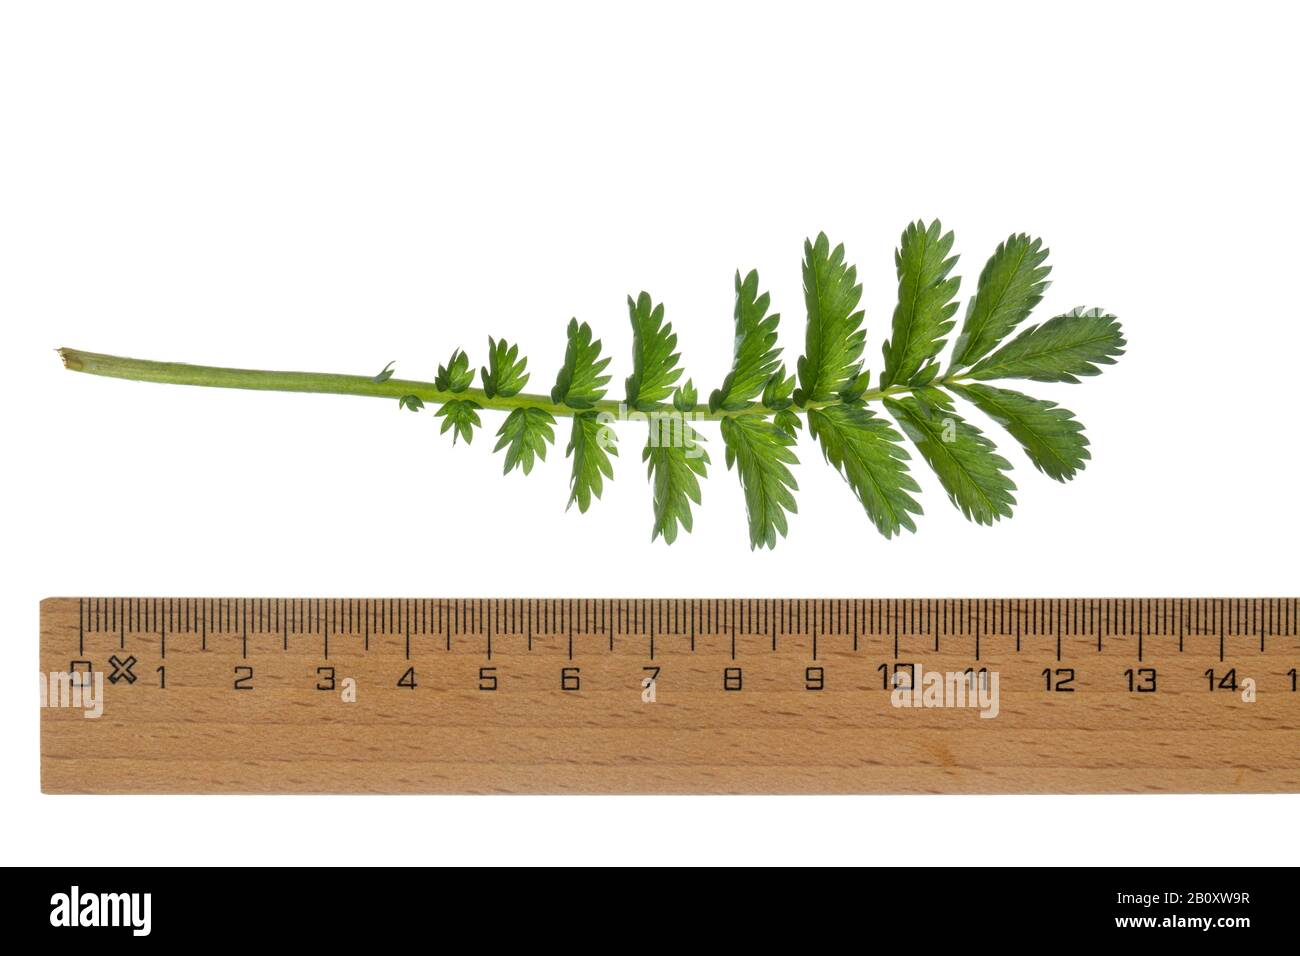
column 180, row 373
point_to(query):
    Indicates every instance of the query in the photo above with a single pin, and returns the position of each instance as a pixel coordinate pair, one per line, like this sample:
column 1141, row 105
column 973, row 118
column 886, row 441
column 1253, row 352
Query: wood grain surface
column 744, row 696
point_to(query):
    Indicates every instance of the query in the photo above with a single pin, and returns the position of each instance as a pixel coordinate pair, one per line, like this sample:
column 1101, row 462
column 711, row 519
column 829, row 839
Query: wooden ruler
column 269, row 695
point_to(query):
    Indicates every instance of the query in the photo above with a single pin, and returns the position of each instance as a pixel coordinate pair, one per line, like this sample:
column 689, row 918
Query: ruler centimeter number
column 356, row 695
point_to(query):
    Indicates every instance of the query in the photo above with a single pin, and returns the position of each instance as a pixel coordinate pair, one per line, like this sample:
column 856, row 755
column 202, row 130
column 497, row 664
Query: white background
column 329, row 186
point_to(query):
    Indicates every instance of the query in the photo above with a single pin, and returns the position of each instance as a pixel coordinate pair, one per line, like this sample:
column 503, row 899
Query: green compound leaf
column 591, row 443
column 580, row 383
column 755, row 355
column 760, row 452
column 1012, row 283
column 504, row 374
column 524, row 435
column 456, row 375
column 869, row 454
column 926, row 302
column 835, row 338
column 460, row 417
column 654, row 363
column 676, row 462
column 1059, row 350
column 830, row 385
column 966, row 462
column 1050, row 435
